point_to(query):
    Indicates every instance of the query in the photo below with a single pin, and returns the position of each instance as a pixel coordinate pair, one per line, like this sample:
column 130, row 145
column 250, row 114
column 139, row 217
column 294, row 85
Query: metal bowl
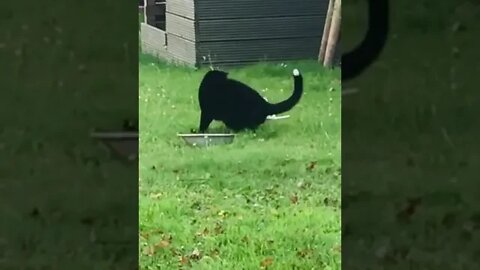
column 125, row 144
column 207, row 139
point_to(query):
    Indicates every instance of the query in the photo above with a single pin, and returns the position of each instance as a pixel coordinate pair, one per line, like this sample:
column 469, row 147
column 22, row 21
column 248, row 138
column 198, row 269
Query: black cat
column 357, row 60
column 237, row 105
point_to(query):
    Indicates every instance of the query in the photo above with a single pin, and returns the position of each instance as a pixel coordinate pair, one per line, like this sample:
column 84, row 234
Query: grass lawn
column 58, row 207
column 270, row 200
column 410, row 133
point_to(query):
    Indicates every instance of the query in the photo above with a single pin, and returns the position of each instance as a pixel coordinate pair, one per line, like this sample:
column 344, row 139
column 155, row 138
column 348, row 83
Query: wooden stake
column 326, row 31
column 334, row 33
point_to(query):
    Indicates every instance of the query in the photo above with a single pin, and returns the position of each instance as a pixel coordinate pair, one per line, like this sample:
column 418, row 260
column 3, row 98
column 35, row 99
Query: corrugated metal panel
column 258, row 50
column 218, row 9
column 260, row 28
column 184, row 8
column 181, row 26
column 181, row 49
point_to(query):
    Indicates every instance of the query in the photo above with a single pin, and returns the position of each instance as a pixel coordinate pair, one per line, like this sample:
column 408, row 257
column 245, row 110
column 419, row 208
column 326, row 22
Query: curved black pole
column 357, row 60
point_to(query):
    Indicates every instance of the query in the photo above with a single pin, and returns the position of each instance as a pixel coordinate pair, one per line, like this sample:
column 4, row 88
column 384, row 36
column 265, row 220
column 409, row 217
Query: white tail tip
column 296, row 72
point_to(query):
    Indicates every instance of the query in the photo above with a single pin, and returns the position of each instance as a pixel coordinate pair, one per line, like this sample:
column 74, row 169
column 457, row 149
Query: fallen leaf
column 304, row 253
column 144, row 235
column 149, row 251
column 163, row 244
column 183, row 260
column 266, row 263
column 294, row 198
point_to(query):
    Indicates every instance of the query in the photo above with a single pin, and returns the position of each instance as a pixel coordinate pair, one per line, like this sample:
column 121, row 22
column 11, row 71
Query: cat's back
column 241, row 90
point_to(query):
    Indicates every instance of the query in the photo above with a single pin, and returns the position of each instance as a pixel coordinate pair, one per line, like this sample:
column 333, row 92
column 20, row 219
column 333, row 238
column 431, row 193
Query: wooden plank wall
column 183, row 8
column 251, row 30
column 153, row 41
column 181, row 30
column 177, row 42
column 243, row 31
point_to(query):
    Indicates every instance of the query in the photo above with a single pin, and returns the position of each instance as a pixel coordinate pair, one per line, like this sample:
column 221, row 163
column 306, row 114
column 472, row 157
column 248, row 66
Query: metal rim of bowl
column 114, row 135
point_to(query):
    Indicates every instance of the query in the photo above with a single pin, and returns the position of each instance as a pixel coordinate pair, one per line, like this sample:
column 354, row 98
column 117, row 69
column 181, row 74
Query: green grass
column 411, row 132
column 59, row 80
column 269, row 199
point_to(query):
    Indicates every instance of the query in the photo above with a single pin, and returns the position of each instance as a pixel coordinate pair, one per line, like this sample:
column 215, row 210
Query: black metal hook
column 357, row 60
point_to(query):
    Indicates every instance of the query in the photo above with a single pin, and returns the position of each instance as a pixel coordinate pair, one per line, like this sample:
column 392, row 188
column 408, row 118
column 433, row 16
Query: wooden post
column 334, row 33
column 326, row 31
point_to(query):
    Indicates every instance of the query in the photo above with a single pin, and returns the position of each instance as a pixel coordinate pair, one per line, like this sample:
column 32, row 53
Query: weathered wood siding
column 181, row 27
column 181, row 49
column 183, row 8
column 177, row 42
column 252, row 30
column 153, row 40
column 243, row 31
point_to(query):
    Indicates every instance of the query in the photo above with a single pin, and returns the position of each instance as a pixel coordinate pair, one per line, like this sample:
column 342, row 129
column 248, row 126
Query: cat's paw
column 296, row 72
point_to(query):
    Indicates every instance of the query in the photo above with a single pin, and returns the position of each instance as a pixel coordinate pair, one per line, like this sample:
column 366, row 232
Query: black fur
column 357, row 60
column 237, row 105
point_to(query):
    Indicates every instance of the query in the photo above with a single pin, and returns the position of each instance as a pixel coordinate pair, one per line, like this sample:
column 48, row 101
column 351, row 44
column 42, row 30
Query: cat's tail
column 289, row 103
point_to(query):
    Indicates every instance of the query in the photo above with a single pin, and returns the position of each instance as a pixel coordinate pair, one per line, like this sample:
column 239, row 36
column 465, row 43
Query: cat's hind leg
column 205, row 120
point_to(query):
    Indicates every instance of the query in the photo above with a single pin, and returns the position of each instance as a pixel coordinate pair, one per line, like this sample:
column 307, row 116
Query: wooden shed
column 232, row 32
